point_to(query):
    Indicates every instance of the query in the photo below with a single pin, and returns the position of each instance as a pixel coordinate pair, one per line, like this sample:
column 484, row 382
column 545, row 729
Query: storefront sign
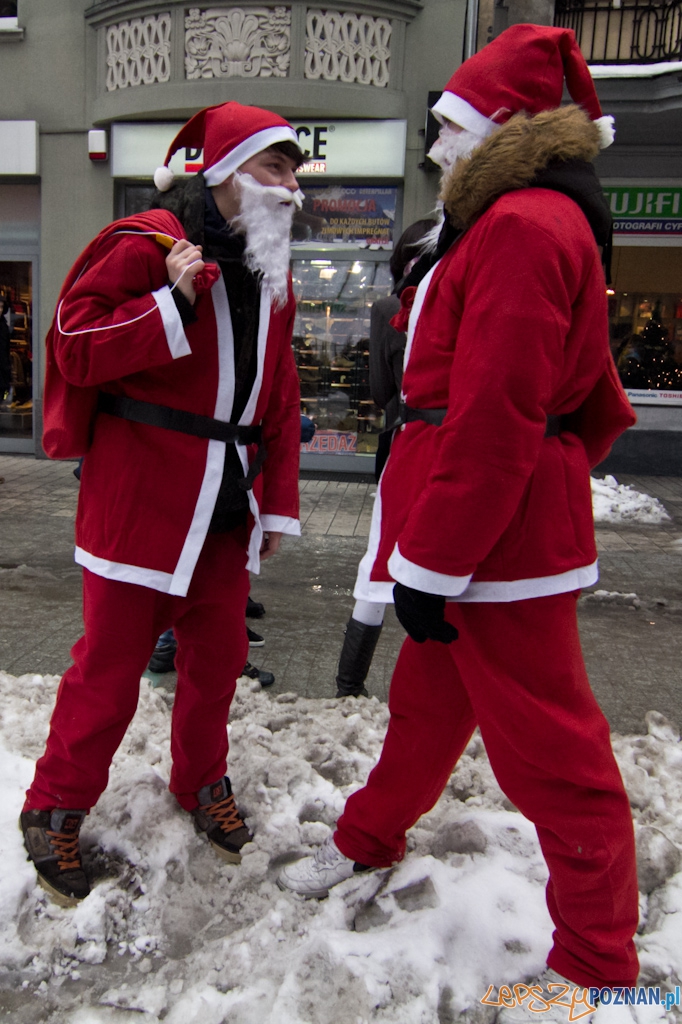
column 646, row 211
column 341, row 148
column 138, row 149
column 342, row 216
column 18, row 147
column 331, row 442
column 639, row 396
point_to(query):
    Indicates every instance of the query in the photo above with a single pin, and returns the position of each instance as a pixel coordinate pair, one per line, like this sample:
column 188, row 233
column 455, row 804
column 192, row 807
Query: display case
column 331, row 346
column 646, row 340
column 16, row 352
column 342, row 240
column 645, row 318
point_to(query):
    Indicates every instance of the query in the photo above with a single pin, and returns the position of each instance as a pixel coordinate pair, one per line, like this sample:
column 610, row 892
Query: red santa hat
column 522, row 69
column 229, row 134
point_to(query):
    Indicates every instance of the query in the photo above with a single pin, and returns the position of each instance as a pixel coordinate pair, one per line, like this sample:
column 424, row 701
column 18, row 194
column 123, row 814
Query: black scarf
column 243, row 292
column 193, row 204
column 576, row 179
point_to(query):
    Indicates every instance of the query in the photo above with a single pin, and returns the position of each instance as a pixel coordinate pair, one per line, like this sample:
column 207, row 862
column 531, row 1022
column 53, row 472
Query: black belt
column 433, row 416
column 554, row 426
column 184, row 422
column 176, row 419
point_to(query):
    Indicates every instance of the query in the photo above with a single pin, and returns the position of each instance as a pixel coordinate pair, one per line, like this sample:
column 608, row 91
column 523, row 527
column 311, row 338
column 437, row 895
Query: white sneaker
column 313, row 877
column 547, row 999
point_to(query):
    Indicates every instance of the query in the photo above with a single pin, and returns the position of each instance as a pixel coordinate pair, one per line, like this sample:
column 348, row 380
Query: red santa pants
column 98, row 695
column 517, row 672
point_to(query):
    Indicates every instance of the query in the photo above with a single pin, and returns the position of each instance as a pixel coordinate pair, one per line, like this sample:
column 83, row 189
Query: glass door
column 16, row 350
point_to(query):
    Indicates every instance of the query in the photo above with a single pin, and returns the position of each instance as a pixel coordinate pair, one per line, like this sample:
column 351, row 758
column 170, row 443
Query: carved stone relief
column 138, row 52
column 346, row 47
column 227, row 42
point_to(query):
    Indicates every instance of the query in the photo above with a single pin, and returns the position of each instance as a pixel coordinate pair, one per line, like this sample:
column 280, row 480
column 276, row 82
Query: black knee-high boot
column 356, row 657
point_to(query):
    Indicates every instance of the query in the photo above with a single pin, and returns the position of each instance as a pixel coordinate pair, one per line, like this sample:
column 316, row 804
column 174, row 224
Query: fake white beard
column 451, row 146
column 430, row 240
column 264, row 218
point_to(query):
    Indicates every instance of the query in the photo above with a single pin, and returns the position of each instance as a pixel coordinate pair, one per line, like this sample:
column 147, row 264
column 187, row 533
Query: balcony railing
column 157, row 42
column 624, row 31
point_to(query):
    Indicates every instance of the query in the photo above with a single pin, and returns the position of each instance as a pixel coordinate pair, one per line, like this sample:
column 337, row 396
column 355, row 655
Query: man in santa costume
column 169, row 367
column 482, row 526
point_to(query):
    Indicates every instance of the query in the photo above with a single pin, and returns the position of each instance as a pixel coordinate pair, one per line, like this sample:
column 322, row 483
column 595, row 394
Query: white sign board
column 643, row 397
column 18, row 147
column 345, row 149
column 373, row 149
column 138, row 149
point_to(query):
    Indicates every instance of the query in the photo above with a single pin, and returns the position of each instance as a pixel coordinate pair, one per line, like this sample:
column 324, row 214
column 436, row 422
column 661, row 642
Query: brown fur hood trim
column 511, row 157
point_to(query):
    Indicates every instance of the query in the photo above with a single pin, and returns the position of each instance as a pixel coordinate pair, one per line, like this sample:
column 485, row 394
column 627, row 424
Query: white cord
column 125, row 323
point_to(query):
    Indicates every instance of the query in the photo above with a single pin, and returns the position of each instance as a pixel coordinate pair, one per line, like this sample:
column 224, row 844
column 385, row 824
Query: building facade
column 94, row 90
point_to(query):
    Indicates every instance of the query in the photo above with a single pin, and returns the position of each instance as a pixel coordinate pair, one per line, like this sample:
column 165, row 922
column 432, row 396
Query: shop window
column 331, row 345
column 335, row 286
column 16, row 351
column 335, row 216
column 645, row 314
column 8, row 15
column 342, row 239
column 135, row 199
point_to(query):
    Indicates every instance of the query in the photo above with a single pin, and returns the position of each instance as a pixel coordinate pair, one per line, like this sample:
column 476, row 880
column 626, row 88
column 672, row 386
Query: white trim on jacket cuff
column 412, row 575
column 280, row 524
column 172, row 323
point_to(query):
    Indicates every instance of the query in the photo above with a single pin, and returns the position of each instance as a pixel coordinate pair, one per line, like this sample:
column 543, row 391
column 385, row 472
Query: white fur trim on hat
column 245, row 150
column 163, row 178
column 454, row 108
column 607, row 130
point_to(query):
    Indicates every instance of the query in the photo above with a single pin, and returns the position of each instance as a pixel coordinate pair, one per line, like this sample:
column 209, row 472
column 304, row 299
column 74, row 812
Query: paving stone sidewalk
column 633, row 646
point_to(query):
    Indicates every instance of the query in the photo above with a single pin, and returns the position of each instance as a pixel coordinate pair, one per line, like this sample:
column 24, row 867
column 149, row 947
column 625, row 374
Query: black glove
column 422, row 615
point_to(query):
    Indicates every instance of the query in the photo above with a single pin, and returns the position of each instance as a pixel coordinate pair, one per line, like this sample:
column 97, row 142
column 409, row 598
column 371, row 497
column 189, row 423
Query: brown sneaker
column 51, row 839
column 219, row 818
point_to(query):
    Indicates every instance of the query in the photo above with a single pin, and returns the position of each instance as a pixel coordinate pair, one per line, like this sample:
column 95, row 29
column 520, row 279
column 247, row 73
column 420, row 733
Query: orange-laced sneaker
column 51, row 839
column 219, row 818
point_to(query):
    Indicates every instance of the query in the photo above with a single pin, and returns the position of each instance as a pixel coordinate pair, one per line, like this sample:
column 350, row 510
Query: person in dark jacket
column 386, row 345
column 5, row 364
column 386, row 351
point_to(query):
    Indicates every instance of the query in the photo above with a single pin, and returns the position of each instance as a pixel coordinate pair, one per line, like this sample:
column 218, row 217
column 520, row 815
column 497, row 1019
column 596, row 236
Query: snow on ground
column 619, row 503
column 170, row 932
column 613, row 597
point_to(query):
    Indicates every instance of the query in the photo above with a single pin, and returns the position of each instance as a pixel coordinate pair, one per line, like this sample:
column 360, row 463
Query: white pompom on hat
column 523, row 69
column 163, row 178
column 229, row 134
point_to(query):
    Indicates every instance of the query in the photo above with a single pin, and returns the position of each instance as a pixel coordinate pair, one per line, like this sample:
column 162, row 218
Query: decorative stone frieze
column 138, row 52
column 346, row 47
column 229, row 42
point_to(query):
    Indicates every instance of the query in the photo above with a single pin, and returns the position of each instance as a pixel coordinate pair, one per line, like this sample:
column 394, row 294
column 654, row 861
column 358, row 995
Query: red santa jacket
column 508, row 328
column 147, row 494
